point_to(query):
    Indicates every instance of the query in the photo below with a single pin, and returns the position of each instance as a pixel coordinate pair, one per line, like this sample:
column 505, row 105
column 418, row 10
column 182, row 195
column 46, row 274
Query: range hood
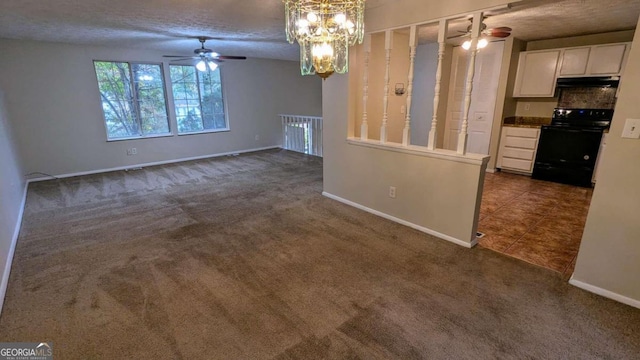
column 604, row 81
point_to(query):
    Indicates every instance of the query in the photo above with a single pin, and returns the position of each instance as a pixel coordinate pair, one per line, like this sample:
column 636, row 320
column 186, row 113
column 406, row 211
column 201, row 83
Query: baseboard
column 12, row 249
column 403, row 222
column 491, row 171
column 155, row 163
column 606, row 293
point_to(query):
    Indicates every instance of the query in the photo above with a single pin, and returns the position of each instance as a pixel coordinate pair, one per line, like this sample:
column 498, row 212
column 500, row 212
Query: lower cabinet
column 518, row 149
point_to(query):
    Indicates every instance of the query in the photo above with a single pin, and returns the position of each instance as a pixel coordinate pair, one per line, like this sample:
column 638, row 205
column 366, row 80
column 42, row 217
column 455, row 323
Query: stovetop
column 582, row 118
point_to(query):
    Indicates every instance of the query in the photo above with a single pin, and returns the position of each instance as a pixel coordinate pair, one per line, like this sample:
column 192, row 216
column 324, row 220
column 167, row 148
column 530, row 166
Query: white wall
column 609, row 258
column 424, row 82
column 54, row 104
column 12, row 187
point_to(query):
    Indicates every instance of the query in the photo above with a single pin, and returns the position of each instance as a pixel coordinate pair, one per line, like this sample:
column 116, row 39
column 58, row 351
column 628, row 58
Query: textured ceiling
column 254, row 28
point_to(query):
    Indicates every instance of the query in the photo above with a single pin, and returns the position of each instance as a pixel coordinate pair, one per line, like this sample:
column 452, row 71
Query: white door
column 483, row 97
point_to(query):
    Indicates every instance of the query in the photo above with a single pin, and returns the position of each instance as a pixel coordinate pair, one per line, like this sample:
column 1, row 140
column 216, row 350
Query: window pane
column 149, row 86
column 132, row 105
column 117, row 99
column 212, row 102
column 198, row 99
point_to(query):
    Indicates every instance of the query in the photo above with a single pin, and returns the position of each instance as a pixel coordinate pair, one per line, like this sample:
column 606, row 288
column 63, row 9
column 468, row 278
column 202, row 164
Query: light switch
column 631, row 129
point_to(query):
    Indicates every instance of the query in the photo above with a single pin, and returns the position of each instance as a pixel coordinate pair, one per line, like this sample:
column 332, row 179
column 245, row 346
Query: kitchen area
column 536, row 202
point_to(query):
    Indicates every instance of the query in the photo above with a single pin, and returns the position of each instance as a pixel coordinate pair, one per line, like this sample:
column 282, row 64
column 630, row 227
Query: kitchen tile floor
column 536, row 221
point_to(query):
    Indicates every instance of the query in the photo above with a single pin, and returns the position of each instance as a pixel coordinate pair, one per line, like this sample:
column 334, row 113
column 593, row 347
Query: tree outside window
column 133, row 99
column 198, row 100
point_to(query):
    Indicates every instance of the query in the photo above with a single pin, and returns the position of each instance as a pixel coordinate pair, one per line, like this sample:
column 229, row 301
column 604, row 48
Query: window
column 198, row 101
column 133, row 99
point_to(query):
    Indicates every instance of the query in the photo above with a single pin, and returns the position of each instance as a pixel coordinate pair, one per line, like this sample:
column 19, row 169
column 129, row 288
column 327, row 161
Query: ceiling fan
column 207, row 57
column 497, row 32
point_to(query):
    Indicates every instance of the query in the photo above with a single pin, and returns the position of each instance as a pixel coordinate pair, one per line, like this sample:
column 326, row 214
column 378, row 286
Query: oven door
column 567, row 154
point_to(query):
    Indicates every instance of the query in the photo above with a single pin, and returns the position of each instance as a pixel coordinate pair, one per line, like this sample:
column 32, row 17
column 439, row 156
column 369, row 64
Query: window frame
column 136, row 105
column 224, row 103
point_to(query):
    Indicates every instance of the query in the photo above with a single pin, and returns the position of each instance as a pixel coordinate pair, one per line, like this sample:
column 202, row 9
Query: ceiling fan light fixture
column 213, row 66
column 201, row 65
column 324, row 29
column 482, row 43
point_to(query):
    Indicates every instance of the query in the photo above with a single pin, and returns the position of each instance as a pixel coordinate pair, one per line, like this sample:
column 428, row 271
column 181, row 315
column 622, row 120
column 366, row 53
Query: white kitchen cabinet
column 536, row 76
column 598, row 60
column 574, row 61
column 517, row 151
column 607, row 59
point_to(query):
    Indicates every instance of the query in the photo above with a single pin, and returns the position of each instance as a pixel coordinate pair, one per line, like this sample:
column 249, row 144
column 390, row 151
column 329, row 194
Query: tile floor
column 536, row 221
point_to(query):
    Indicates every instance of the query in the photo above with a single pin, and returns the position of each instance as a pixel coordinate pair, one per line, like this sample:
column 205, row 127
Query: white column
column 406, row 132
column 433, row 132
column 364, row 127
column 388, row 45
column 475, row 33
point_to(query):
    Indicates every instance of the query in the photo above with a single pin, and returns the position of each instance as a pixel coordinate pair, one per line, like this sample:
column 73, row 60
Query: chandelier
column 324, row 30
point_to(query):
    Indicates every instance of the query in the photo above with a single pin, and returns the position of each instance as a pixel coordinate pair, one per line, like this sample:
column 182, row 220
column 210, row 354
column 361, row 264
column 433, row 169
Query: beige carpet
column 242, row 258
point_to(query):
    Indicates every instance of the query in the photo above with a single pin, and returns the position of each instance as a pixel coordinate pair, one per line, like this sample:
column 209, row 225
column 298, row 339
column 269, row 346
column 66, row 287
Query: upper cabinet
column 607, row 59
column 536, row 75
column 574, row 61
column 538, row 71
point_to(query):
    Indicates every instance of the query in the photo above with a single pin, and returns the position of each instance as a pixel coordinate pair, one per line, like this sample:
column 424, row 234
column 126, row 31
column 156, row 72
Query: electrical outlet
column 631, row 129
column 527, row 107
column 392, row 192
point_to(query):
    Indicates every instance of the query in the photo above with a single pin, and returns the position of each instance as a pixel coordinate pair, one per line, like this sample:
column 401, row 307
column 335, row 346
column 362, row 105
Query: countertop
column 526, row 121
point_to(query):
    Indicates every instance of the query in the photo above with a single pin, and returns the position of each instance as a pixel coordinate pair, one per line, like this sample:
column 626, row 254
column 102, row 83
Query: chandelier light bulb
column 320, row 51
column 312, row 17
column 201, row 65
column 340, row 19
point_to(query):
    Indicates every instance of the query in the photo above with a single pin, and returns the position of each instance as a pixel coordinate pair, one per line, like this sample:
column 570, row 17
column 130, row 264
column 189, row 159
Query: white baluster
column 320, row 135
column 364, row 127
column 475, row 33
column 433, row 132
column 387, row 77
column 406, row 132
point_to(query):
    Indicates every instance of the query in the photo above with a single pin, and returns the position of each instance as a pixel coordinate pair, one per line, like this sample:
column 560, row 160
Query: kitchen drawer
column 521, row 132
column 520, row 142
column 524, row 154
column 517, row 164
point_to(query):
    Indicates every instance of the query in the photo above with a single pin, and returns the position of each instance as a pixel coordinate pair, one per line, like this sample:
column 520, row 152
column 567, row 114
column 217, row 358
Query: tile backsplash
column 588, row 98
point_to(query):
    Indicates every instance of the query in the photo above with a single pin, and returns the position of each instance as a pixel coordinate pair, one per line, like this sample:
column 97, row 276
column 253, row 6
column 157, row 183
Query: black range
column 568, row 147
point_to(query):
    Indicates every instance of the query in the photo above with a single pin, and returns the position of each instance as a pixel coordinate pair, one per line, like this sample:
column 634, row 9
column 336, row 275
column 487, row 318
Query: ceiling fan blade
column 186, row 58
column 500, row 34
column 226, row 57
column 502, row 28
column 173, row 56
column 457, row 36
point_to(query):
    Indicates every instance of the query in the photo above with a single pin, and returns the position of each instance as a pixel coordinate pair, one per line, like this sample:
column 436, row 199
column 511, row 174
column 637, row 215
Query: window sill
column 204, row 132
column 140, row 137
column 476, row 159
